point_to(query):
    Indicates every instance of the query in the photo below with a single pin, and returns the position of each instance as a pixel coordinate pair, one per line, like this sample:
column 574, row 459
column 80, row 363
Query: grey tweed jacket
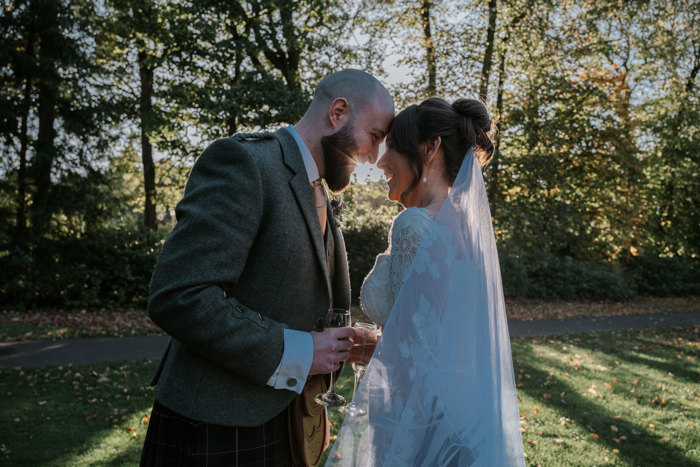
column 245, row 261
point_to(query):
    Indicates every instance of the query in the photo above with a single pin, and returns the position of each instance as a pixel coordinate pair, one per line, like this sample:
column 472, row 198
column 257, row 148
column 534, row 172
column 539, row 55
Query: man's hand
column 330, row 348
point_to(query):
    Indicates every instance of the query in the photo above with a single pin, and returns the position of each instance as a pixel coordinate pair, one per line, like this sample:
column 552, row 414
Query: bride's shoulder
column 412, row 218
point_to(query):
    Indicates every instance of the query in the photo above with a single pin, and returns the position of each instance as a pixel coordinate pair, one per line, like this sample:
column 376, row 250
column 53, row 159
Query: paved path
column 82, row 351
column 546, row 327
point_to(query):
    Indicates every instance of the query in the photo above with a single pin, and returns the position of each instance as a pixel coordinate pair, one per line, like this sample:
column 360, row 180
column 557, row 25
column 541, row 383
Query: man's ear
column 338, row 111
column 432, row 147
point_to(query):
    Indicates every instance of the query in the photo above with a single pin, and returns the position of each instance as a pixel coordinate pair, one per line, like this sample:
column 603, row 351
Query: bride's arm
column 374, row 299
column 384, row 281
column 406, row 234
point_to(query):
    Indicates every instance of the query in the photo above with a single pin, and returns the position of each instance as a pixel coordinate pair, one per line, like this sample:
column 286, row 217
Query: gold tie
column 320, row 198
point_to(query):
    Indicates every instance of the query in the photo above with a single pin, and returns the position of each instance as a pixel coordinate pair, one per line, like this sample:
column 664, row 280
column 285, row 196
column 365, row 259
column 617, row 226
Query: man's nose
column 372, row 156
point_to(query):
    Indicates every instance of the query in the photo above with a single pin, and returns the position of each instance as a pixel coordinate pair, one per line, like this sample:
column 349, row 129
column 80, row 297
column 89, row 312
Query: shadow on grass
column 75, row 415
column 644, row 448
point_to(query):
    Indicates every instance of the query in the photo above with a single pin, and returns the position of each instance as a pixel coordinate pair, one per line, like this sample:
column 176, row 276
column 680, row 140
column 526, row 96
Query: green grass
column 74, row 415
column 570, row 388
column 619, row 398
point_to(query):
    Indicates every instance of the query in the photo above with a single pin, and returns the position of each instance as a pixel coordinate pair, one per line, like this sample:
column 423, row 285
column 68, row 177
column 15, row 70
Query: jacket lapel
column 341, row 280
column 299, row 183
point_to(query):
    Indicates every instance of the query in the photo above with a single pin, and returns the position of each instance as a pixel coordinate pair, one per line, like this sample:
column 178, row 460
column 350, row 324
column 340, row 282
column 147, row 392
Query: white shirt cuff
column 296, row 361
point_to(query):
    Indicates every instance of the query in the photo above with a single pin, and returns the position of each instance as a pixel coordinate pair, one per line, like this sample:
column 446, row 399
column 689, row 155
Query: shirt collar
column 309, row 162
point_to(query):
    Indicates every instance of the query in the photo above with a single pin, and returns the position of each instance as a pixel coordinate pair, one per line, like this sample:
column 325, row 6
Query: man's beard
column 338, row 149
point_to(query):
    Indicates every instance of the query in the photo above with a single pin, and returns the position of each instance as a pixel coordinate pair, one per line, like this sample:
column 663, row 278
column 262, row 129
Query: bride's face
column 397, row 171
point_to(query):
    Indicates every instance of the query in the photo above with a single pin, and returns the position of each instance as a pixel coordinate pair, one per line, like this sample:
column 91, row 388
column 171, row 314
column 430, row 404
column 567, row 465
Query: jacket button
column 260, row 317
column 239, row 309
column 291, row 382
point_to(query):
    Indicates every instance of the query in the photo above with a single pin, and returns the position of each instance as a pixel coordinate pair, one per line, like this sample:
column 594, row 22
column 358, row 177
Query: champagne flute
column 358, row 354
column 338, row 318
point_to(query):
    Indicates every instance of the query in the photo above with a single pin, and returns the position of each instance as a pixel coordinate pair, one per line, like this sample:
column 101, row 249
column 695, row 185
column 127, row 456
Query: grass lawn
column 620, row 398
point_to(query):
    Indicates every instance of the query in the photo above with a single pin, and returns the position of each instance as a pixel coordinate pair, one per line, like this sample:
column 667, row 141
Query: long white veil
column 440, row 390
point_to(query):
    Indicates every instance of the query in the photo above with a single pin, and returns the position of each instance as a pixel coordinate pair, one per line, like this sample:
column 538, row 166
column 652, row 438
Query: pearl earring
column 425, row 179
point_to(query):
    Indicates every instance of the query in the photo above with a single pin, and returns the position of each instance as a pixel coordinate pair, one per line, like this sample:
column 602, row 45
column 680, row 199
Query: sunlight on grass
column 621, row 398
column 75, row 415
column 120, row 445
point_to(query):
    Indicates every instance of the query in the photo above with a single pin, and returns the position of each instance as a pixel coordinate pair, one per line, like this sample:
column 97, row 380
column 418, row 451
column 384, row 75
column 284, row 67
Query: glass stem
column 358, row 375
column 331, row 387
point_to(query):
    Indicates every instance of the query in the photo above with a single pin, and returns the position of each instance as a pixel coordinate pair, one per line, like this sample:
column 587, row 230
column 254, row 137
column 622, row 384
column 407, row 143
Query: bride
column 439, row 389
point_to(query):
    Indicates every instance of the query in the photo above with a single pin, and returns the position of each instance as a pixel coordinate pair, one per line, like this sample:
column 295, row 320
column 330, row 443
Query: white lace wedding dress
column 439, row 390
column 383, row 283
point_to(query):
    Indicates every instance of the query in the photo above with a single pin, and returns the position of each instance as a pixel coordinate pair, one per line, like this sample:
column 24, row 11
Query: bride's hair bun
column 462, row 125
column 475, row 125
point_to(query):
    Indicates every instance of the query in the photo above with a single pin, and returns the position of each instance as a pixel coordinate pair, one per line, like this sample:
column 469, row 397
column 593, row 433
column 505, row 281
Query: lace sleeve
column 375, row 296
column 406, row 233
column 384, row 281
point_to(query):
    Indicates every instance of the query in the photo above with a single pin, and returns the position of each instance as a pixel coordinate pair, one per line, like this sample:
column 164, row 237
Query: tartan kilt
column 174, row 440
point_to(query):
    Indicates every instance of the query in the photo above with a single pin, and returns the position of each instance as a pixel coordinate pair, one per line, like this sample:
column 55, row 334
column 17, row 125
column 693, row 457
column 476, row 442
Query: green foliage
column 363, row 244
column 365, row 224
column 108, row 268
column 664, row 276
column 557, row 278
column 598, row 104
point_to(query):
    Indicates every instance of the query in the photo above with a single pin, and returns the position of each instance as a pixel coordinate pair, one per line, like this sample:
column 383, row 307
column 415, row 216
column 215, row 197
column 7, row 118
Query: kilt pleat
column 174, row 440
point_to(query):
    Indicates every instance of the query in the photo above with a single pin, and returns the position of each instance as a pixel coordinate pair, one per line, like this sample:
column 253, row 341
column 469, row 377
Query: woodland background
column 105, row 105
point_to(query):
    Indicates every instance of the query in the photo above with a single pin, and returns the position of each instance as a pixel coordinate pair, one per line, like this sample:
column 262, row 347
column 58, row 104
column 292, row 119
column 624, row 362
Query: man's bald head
column 346, row 122
column 357, row 87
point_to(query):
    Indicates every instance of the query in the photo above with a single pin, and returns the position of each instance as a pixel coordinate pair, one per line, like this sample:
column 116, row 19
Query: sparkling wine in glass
column 359, row 354
column 337, row 318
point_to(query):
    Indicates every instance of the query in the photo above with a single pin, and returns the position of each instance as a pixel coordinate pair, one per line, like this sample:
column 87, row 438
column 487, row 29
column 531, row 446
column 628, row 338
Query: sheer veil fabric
column 440, row 389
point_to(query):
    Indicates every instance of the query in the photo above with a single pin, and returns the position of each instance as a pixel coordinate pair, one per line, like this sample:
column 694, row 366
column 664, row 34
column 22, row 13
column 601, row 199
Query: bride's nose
column 381, row 163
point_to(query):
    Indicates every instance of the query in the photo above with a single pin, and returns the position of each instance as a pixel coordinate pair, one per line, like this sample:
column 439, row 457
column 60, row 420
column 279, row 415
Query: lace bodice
column 382, row 284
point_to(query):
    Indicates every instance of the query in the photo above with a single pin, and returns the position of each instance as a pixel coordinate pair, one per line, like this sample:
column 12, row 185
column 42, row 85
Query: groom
column 247, row 276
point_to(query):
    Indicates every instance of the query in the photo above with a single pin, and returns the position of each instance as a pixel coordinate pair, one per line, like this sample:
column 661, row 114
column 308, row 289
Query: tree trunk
column 493, row 179
column 141, row 15
column 493, row 188
column 49, row 40
column 488, row 53
column 429, row 48
column 232, row 122
column 146, row 115
column 21, row 222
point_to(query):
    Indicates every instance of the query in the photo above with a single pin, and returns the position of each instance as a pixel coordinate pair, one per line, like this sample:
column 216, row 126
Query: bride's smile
column 397, row 172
